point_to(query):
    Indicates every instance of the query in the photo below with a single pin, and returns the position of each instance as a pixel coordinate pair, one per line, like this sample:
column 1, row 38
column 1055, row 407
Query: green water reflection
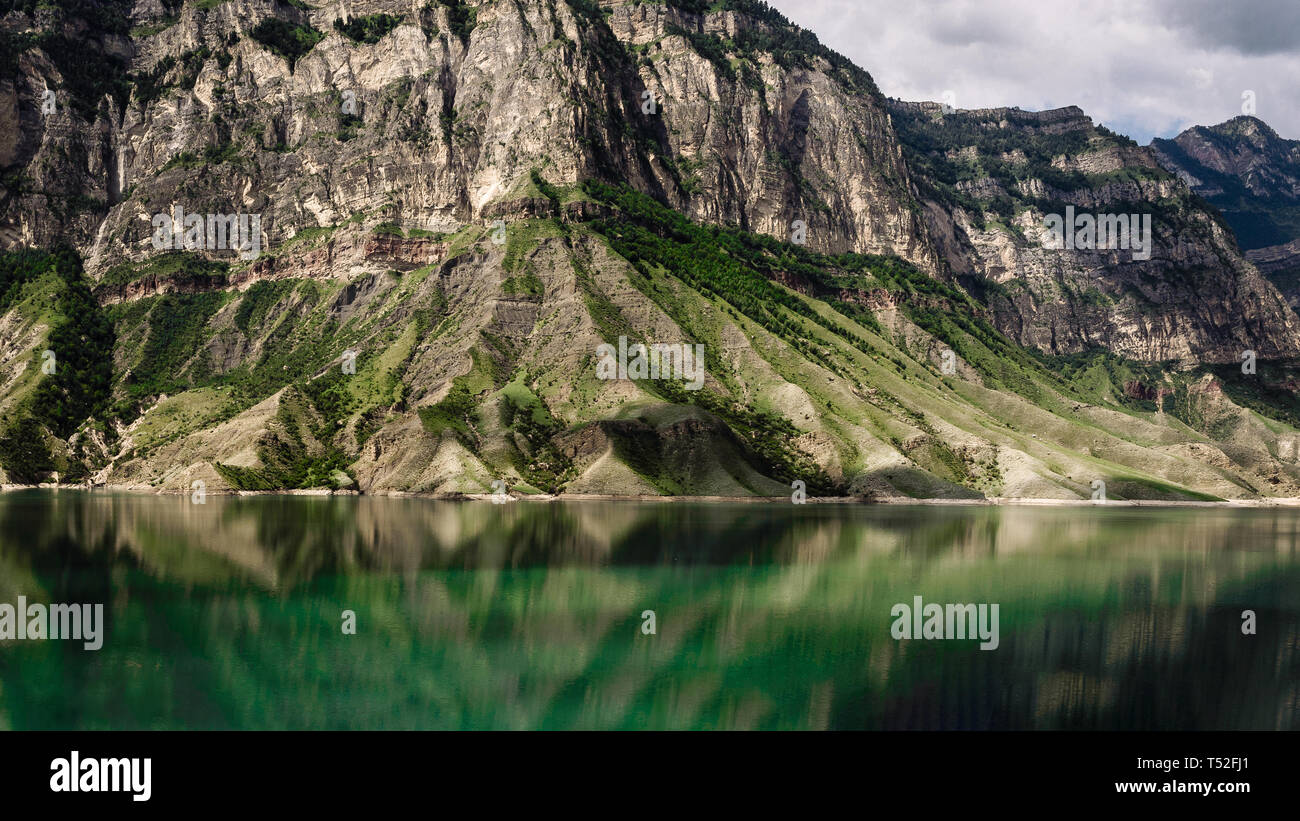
column 473, row 615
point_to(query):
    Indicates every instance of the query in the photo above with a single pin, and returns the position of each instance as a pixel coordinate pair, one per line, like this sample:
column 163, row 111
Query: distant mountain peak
column 1252, row 175
column 1244, row 125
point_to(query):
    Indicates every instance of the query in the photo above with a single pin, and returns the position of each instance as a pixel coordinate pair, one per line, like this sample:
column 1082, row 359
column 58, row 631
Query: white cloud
column 1141, row 67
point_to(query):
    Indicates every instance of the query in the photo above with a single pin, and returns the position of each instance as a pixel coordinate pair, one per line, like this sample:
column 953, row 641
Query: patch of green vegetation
column 463, row 240
column 369, row 29
column 292, row 453
column 17, row 269
column 683, row 169
column 737, row 268
column 1100, row 376
column 457, row 411
column 220, row 153
column 149, row 85
column 150, row 29
column 332, row 398
column 310, row 237
column 77, row 384
column 288, row 40
column 288, row 334
column 88, row 74
column 461, row 18
column 1269, row 391
column 349, row 125
column 453, row 412
column 183, row 159
column 392, row 229
column 547, row 190
column 182, row 267
column 83, row 342
column 1138, row 487
column 284, row 320
column 767, row 435
column 388, row 229
column 609, row 320
column 175, row 341
column 526, row 284
column 24, row 451
column 1000, row 361
column 15, row 182
column 215, row 154
column 543, row 465
column 523, row 237
column 258, row 300
column 180, row 415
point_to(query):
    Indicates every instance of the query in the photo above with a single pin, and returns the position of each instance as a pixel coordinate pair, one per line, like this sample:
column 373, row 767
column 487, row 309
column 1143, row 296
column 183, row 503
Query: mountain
column 989, row 177
column 1252, row 176
column 451, row 207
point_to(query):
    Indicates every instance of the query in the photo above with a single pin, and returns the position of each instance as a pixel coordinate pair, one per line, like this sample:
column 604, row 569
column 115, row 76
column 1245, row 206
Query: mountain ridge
column 1252, row 175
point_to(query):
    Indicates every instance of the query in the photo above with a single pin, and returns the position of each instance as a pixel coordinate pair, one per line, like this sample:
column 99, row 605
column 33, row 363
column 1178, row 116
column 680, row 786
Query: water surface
column 473, row 615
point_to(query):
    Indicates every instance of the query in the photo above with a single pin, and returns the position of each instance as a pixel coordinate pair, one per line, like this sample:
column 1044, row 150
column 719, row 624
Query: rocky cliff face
column 993, row 177
column 444, row 209
column 1244, row 148
column 763, row 138
column 444, row 116
column 1253, row 176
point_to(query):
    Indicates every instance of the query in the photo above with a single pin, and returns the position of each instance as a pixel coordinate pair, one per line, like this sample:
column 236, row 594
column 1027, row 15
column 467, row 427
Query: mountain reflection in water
column 473, row 615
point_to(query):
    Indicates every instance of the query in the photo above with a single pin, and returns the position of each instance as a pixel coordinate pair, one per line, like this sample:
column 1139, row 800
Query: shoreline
column 996, row 501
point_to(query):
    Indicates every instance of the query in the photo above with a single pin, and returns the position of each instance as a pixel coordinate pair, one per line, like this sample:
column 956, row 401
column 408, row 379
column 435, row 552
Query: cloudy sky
column 1143, row 67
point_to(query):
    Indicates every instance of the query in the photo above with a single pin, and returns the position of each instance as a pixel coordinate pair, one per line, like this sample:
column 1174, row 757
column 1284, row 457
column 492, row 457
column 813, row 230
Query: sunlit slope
column 482, row 366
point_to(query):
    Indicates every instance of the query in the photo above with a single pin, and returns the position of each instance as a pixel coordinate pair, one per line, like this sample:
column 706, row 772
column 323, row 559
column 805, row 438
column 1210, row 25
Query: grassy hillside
column 481, row 367
column 58, row 364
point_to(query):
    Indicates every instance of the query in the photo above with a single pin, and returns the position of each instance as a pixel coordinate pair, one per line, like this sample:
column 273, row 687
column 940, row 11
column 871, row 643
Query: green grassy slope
column 827, row 370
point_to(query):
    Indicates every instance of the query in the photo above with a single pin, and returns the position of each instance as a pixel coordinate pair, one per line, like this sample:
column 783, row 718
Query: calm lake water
column 473, row 615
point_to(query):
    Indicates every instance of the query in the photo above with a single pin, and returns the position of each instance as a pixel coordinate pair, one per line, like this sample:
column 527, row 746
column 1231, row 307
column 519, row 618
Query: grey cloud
column 965, row 26
column 1142, row 68
column 1257, row 27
